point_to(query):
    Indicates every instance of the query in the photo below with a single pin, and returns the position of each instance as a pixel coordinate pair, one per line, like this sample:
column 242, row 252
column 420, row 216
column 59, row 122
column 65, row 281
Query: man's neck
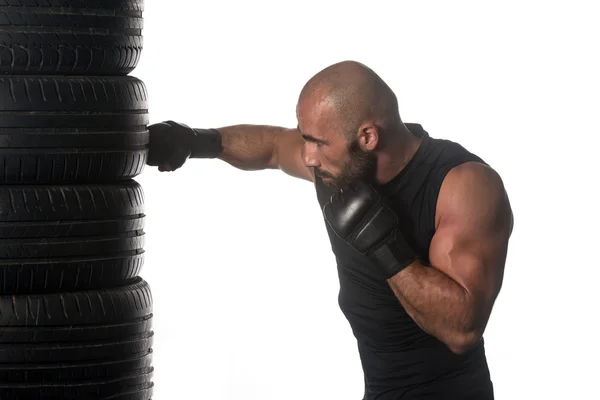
column 397, row 154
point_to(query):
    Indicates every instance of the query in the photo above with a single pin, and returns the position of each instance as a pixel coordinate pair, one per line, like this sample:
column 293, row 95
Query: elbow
column 463, row 343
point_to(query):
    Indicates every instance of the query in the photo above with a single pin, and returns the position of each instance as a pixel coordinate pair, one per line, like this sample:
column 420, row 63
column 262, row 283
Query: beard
column 361, row 166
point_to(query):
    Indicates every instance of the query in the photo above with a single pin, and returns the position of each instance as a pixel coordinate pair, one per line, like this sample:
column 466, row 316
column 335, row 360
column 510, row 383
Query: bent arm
column 452, row 298
column 259, row 147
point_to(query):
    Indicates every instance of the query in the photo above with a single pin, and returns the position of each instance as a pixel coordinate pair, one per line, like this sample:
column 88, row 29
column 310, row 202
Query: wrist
column 206, row 143
column 393, row 255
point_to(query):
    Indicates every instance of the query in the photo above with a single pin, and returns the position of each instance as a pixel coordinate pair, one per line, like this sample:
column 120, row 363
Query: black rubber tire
column 67, row 204
column 57, row 129
column 99, row 307
column 70, row 237
column 76, row 351
column 52, row 275
column 70, row 372
column 95, row 246
column 75, row 333
column 85, row 344
column 70, row 37
column 141, row 392
column 103, row 389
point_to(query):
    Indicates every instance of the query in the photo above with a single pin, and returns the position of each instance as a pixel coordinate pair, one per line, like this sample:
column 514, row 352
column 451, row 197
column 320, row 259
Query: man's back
column 399, row 359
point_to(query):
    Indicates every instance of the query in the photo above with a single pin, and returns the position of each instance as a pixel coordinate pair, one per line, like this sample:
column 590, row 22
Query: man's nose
column 309, row 158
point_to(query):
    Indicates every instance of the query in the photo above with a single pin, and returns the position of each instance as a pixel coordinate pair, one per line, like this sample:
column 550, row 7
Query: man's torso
column 400, row 360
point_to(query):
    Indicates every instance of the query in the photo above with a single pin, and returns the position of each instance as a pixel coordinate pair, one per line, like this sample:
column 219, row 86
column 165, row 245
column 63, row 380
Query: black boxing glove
column 172, row 143
column 360, row 217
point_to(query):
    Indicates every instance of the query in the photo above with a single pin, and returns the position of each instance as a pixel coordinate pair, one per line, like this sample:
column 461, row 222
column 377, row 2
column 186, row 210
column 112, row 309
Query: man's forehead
column 314, row 113
column 316, row 101
column 315, row 117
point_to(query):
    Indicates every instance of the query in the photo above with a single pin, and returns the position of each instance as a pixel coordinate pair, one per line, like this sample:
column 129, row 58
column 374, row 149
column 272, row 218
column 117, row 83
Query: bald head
column 350, row 94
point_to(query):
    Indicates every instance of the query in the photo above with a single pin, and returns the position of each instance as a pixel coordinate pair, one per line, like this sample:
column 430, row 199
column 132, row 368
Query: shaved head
column 351, row 93
column 347, row 115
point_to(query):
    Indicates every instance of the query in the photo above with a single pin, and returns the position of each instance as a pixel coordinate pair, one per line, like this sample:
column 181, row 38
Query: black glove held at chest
column 359, row 216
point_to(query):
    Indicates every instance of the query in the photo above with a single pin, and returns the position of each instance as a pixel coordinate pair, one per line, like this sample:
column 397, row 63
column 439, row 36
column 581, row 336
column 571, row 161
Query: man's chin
column 336, row 183
column 341, row 182
column 329, row 182
column 332, row 183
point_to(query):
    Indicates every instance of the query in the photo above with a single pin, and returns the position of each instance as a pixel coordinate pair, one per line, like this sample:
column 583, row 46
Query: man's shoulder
column 453, row 147
column 473, row 172
column 445, row 160
column 471, row 176
column 472, row 182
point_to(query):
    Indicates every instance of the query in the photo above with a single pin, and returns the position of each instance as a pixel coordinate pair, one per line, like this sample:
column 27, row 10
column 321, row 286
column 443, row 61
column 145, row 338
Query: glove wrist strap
column 206, row 144
column 393, row 256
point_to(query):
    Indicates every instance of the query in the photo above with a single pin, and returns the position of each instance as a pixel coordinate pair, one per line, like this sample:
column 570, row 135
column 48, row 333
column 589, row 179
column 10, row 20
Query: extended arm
column 246, row 147
column 257, row 147
column 452, row 298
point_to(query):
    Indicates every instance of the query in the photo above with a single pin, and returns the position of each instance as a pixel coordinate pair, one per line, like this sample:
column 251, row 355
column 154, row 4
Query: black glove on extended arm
column 172, row 143
column 359, row 216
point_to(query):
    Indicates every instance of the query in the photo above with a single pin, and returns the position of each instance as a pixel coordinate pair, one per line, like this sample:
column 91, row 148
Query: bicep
column 471, row 242
column 288, row 155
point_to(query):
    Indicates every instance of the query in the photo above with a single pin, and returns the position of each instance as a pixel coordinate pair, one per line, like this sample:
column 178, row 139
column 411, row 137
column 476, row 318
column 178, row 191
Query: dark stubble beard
column 362, row 166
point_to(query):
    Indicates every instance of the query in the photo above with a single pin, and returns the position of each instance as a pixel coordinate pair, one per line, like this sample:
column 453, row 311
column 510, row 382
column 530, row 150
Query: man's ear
column 368, row 137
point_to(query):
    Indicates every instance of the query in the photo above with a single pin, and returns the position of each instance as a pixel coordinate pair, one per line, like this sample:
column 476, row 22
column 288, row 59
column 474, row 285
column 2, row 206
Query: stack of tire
column 75, row 315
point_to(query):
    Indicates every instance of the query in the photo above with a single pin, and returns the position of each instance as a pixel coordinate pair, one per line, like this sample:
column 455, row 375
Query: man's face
column 335, row 158
column 354, row 165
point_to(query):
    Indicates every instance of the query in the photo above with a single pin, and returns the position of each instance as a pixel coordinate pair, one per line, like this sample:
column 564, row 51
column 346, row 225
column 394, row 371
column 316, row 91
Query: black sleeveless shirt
column 399, row 359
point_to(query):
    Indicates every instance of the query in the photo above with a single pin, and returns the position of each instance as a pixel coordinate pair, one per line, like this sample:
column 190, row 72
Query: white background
column 243, row 279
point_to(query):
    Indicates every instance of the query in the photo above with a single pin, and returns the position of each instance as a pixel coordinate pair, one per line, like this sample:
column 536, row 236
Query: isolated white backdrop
column 243, row 280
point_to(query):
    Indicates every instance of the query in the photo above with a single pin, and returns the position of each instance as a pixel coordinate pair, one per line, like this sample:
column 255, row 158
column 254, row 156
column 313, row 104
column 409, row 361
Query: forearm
column 249, row 147
column 438, row 304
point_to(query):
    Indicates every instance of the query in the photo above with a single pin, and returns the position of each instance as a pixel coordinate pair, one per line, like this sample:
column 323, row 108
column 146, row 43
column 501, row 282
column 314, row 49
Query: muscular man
column 419, row 226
